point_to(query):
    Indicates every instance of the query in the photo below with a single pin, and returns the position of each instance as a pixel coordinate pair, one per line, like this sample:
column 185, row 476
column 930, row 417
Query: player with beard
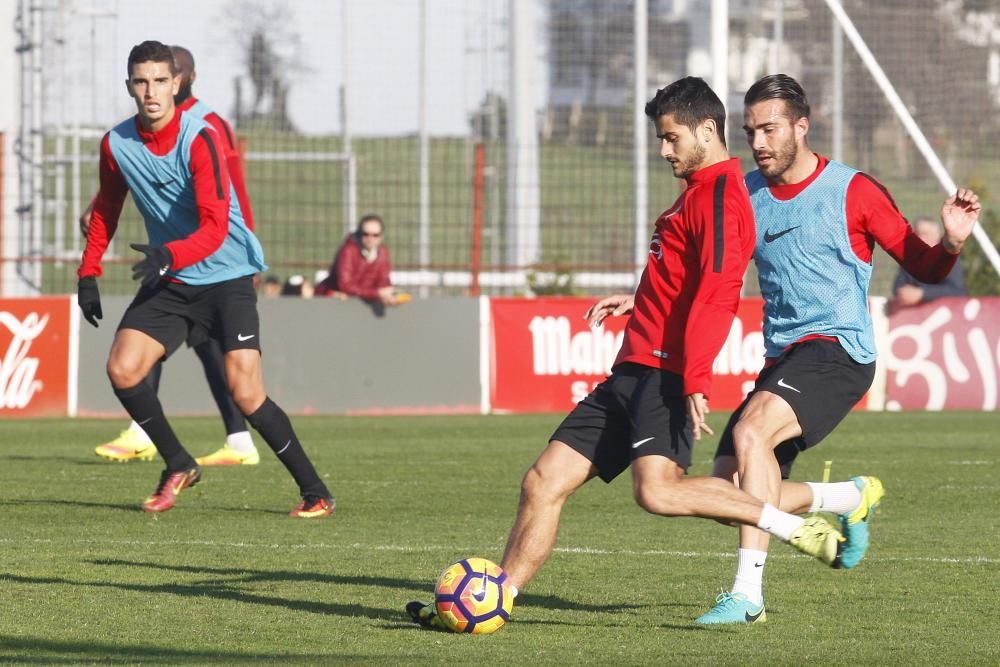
column 133, row 443
column 817, row 223
column 652, row 407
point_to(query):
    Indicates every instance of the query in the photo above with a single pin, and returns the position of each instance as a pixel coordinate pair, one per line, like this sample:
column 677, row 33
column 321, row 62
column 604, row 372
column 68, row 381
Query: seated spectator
column 297, row 285
column 361, row 267
column 908, row 291
column 272, row 285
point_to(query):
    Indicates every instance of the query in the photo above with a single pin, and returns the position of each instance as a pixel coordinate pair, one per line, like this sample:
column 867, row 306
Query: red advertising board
column 944, row 355
column 545, row 358
column 35, row 355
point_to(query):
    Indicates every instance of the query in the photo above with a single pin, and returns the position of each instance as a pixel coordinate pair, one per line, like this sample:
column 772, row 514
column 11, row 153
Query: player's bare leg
column 660, row 487
column 559, row 471
column 766, row 422
column 246, row 382
column 132, row 356
column 796, row 497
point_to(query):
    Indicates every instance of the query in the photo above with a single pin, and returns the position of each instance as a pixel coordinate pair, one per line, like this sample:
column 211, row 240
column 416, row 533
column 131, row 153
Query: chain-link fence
column 406, row 109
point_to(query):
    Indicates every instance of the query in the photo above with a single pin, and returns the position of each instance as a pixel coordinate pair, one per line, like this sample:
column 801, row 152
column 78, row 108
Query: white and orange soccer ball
column 473, row 596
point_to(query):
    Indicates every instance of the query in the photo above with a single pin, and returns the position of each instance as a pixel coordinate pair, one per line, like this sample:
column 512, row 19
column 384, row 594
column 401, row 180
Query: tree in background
column 271, row 53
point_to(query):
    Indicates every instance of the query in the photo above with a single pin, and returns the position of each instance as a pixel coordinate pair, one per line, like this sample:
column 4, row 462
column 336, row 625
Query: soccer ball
column 473, row 596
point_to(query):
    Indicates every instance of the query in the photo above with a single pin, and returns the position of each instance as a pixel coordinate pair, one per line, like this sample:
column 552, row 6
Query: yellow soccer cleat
column 227, row 456
column 819, row 539
column 128, row 446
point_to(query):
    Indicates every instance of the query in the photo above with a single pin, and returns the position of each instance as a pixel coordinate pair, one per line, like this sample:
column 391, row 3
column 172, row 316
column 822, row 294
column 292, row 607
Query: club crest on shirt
column 655, row 245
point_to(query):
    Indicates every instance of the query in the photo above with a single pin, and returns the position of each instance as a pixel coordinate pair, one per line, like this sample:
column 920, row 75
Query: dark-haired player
column 817, row 223
column 133, row 443
column 652, row 407
column 197, row 272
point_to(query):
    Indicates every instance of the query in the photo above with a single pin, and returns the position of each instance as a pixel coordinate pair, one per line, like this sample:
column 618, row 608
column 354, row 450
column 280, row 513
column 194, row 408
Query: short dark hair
column 780, row 87
column 691, row 102
column 180, row 50
column 151, row 51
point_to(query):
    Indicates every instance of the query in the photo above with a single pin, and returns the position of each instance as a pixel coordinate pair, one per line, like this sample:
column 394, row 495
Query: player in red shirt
column 651, row 408
column 818, row 221
column 133, row 443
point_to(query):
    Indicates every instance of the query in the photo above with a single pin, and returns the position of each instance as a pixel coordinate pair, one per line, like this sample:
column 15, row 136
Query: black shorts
column 822, row 384
column 172, row 312
column 637, row 411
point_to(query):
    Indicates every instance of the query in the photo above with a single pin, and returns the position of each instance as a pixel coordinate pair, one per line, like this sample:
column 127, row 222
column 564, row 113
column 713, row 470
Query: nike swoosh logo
column 758, row 565
column 642, row 442
column 768, row 236
column 241, row 337
column 145, row 421
column 750, row 618
column 782, row 383
column 163, row 184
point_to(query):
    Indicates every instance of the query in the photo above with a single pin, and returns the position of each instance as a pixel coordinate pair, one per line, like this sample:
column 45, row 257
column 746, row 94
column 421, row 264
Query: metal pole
column 639, row 137
column 838, row 93
column 720, row 51
column 779, row 36
column 944, row 178
column 424, row 225
column 350, row 185
column 522, row 140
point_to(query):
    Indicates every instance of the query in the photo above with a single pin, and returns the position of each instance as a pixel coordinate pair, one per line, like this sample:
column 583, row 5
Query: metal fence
column 495, row 137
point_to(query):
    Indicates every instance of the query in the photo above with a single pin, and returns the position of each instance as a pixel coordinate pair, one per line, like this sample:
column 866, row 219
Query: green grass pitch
column 227, row 578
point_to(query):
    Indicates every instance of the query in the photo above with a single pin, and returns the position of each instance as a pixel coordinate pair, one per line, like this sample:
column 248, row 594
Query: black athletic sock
column 274, row 426
column 212, row 360
column 154, row 377
column 144, row 407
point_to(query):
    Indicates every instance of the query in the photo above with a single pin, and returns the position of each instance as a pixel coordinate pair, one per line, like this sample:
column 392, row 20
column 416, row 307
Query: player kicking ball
column 197, row 272
column 647, row 414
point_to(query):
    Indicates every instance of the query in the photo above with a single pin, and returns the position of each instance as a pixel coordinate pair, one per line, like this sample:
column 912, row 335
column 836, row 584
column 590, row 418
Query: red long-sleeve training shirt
column 688, row 294
column 211, row 179
column 234, row 160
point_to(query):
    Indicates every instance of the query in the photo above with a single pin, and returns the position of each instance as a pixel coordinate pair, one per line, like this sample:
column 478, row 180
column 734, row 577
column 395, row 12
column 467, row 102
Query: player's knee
column 747, row 439
column 124, row 373
column 656, row 497
column 247, row 397
column 541, row 485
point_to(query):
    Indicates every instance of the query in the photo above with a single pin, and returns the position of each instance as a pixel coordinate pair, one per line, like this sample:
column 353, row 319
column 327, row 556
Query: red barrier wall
column 35, row 351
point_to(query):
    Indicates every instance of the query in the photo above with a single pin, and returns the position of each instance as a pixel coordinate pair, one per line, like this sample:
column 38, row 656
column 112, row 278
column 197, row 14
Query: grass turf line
column 226, row 577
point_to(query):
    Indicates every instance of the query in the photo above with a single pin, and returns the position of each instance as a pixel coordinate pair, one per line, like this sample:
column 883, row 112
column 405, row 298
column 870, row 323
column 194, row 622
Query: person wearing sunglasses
column 361, row 267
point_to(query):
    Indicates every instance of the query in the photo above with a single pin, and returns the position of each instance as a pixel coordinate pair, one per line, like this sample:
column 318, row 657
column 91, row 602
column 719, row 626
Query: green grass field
column 227, row 578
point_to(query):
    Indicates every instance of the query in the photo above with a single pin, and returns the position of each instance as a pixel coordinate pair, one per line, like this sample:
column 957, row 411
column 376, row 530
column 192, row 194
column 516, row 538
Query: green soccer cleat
column 855, row 524
column 819, row 539
column 732, row 608
column 424, row 615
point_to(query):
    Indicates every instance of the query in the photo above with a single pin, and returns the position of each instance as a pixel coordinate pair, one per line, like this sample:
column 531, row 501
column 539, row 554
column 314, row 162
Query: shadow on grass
column 216, row 590
column 39, row 651
column 239, row 575
column 128, row 507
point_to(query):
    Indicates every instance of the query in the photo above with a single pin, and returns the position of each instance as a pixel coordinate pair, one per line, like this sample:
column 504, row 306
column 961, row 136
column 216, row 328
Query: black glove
column 154, row 266
column 89, row 298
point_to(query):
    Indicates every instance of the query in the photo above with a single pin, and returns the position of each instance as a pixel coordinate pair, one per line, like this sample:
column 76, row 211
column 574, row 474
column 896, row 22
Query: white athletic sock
column 513, row 590
column 838, row 497
column 778, row 523
column 750, row 574
column 241, row 442
column 139, row 432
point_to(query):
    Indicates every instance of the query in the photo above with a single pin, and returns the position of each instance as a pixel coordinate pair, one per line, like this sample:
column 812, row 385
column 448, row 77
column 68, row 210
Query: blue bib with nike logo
column 162, row 188
column 810, row 278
